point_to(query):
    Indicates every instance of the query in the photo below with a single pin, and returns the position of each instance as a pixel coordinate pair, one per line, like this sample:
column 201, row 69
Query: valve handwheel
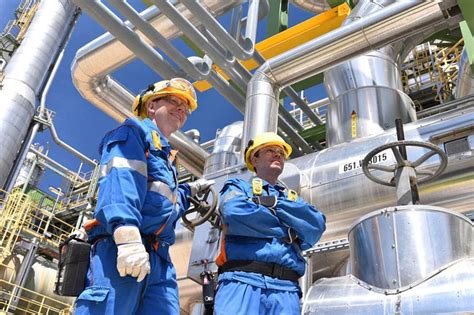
column 202, row 207
column 401, row 161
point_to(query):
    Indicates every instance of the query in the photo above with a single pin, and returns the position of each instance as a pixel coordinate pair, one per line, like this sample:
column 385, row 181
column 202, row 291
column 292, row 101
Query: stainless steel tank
column 410, row 259
column 395, row 248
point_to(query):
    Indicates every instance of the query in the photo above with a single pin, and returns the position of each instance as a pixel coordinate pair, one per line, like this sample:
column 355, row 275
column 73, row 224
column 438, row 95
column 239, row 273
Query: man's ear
column 150, row 108
column 253, row 159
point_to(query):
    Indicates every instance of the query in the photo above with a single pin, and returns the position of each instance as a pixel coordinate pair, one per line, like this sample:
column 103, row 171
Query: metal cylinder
column 25, row 74
column 226, row 149
column 465, row 80
column 366, row 92
column 396, row 247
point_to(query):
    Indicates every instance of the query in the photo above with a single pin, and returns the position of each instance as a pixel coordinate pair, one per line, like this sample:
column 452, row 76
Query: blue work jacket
column 138, row 184
column 254, row 232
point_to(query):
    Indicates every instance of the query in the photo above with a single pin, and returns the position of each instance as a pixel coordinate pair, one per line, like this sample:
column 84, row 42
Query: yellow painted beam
column 291, row 38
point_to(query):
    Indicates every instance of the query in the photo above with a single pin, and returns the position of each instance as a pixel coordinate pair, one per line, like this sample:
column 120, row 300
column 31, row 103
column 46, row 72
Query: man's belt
column 267, row 269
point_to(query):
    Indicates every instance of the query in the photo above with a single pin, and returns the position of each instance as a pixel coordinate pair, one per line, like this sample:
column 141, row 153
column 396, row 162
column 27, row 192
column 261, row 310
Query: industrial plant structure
column 398, row 197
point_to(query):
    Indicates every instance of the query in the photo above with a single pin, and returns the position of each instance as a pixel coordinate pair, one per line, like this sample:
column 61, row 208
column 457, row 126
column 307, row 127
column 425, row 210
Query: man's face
column 270, row 159
column 169, row 113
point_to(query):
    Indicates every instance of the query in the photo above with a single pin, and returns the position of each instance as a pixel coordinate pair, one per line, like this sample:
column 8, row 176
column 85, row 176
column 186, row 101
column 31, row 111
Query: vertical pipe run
column 377, row 30
column 25, row 74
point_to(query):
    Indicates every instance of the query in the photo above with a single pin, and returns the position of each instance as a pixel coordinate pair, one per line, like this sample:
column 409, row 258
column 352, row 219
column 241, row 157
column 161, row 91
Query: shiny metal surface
column 25, row 73
column 394, row 248
column 95, row 61
column 366, row 94
column 192, row 156
column 226, row 151
column 366, row 111
column 261, row 110
column 387, row 25
column 346, row 195
column 376, row 30
column 465, row 81
column 448, row 292
column 98, row 11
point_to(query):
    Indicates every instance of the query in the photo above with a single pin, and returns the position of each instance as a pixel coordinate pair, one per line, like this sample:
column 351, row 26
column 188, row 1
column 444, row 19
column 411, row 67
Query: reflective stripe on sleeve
column 120, row 162
column 163, row 189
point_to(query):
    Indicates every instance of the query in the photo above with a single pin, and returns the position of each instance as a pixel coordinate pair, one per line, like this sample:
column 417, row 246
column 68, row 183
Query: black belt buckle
column 277, row 271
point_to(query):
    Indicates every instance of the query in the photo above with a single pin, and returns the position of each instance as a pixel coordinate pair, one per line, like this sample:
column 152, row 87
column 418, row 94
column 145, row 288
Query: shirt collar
column 277, row 186
column 152, row 126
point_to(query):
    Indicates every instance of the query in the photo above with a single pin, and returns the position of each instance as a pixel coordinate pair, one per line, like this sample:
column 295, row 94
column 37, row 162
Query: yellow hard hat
column 264, row 140
column 179, row 87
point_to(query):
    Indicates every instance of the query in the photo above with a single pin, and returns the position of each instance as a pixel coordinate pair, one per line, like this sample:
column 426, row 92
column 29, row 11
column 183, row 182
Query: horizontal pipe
column 368, row 33
column 95, row 61
column 389, row 24
column 99, row 12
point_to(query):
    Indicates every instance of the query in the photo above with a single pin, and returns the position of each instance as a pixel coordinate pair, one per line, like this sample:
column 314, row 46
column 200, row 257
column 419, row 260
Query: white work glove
column 200, row 185
column 80, row 234
column 132, row 257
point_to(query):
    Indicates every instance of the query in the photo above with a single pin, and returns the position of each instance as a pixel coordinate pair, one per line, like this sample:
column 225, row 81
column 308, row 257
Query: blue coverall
column 138, row 186
column 256, row 233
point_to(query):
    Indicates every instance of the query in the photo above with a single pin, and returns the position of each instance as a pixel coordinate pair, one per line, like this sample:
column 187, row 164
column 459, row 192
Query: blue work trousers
column 108, row 293
column 239, row 298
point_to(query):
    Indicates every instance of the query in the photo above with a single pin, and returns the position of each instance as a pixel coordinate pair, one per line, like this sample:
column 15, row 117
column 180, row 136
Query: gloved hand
column 132, row 258
column 200, row 185
column 266, row 201
column 80, row 234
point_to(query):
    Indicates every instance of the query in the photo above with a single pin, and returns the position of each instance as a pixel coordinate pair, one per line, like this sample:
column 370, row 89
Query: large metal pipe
column 99, row 12
column 377, row 30
column 25, row 74
column 95, row 61
column 41, row 108
column 465, row 80
column 366, row 92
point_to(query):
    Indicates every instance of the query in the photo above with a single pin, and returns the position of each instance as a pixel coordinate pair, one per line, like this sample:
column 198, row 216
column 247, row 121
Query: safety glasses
column 273, row 151
column 176, row 83
column 177, row 102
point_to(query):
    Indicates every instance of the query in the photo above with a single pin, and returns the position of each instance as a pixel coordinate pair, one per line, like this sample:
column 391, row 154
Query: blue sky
column 82, row 125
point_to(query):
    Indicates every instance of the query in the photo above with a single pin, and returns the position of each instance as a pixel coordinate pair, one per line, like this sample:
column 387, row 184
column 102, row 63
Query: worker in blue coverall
column 265, row 226
column 138, row 206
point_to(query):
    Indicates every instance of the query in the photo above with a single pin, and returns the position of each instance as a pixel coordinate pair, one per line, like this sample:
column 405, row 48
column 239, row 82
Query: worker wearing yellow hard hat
column 266, row 226
column 264, row 140
column 139, row 204
column 177, row 87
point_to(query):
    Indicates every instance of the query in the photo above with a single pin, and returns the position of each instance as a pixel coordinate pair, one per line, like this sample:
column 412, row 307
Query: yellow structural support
column 291, row 38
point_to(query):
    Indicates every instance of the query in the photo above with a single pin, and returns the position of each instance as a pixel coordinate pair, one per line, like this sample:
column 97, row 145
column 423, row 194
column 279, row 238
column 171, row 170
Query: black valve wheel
column 202, row 207
column 401, row 161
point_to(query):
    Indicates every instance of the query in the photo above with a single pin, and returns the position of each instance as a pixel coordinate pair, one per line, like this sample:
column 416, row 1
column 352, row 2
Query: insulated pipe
column 95, row 61
column 296, row 98
column 45, row 90
column 397, row 21
column 196, row 67
column 99, row 12
column 465, row 80
column 253, row 16
column 219, row 32
column 159, row 40
column 25, row 74
column 230, row 65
